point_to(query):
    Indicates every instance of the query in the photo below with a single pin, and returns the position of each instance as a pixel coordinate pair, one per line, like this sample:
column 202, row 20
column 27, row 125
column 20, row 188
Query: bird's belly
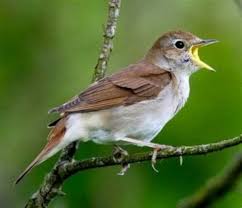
column 141, row 121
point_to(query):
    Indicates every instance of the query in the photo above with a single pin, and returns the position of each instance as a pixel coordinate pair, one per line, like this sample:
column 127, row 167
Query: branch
column 109, row 34
column 40, row 198
column 169, row 151
column 216, row 187
column 53, row 182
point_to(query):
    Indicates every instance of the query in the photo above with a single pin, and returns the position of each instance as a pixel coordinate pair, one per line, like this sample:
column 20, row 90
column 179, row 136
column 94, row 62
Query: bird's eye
column 179, row 44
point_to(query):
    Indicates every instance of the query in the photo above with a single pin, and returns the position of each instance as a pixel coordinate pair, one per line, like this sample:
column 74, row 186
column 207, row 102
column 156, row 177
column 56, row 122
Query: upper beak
column 205, row 42
column 194, row 52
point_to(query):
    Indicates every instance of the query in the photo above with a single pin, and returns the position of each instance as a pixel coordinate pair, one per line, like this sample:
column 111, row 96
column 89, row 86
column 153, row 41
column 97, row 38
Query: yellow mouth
column 194, row 53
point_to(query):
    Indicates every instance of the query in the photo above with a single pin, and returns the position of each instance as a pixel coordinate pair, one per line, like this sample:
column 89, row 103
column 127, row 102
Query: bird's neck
column 157, row 58
column 182, row 87
column 181, row 78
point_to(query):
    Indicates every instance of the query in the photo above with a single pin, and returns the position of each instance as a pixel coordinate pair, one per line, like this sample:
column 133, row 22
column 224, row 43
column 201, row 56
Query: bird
column 133, row 105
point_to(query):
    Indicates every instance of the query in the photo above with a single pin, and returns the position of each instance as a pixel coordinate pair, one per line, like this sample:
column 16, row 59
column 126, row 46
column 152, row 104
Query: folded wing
column 134, row 84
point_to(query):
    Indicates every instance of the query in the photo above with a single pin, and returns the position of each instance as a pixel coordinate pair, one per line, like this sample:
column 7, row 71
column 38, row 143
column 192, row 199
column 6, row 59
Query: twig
column 39, row 199
column 109, row 34
column 216, row 187
column 168, row 152
column 53, row 182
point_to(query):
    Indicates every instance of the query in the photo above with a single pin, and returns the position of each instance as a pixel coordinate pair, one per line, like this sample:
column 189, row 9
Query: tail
column 54, row 144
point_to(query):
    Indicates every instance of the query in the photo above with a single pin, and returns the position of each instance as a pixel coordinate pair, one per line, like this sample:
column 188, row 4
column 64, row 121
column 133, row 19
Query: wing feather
column 135, row 83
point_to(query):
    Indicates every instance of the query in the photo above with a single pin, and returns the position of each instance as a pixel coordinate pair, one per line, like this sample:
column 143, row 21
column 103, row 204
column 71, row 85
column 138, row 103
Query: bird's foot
column 119, row 155
column 156, row 150
column 125, row 167
column 156, row 147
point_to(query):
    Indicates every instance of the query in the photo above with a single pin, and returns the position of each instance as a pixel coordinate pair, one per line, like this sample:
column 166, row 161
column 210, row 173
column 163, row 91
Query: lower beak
column 194, row 53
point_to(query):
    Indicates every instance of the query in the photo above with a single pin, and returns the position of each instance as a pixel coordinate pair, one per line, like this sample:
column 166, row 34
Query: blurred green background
column 48, row 50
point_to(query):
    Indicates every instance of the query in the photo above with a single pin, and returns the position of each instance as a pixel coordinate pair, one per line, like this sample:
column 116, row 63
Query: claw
column 124, row 169
column 153, row 167
column 153, row 159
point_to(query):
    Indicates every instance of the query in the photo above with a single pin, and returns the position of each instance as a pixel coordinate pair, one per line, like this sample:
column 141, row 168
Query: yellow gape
column 194, row 54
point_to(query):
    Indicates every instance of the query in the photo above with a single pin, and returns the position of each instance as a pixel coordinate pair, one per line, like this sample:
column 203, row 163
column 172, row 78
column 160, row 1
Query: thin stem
column 109, row 34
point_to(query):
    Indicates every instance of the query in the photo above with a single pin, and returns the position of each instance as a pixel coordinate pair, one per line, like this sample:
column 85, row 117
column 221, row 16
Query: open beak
column 194, row 52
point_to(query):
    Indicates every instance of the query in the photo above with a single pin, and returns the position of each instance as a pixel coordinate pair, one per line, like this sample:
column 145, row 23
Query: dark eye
column 179, row 44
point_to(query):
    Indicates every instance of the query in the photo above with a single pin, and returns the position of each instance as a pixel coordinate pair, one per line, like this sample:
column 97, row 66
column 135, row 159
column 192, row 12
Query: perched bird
column 133, row 105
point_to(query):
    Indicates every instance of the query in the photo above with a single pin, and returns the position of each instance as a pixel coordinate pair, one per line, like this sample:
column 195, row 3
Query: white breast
column 145, row 120
column 183, row 89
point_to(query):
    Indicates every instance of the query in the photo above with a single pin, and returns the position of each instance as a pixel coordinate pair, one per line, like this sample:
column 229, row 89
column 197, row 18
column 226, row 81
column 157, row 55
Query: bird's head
column 178, row 51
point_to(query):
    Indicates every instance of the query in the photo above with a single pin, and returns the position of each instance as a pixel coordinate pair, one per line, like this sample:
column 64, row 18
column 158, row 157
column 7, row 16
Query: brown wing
column 136, row 83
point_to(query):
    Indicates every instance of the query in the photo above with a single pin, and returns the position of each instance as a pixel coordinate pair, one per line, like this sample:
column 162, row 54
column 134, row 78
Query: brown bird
column 133, row 105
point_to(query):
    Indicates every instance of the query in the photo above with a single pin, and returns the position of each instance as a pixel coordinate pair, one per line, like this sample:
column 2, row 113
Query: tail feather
column 35, row 162
column 53, row 146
